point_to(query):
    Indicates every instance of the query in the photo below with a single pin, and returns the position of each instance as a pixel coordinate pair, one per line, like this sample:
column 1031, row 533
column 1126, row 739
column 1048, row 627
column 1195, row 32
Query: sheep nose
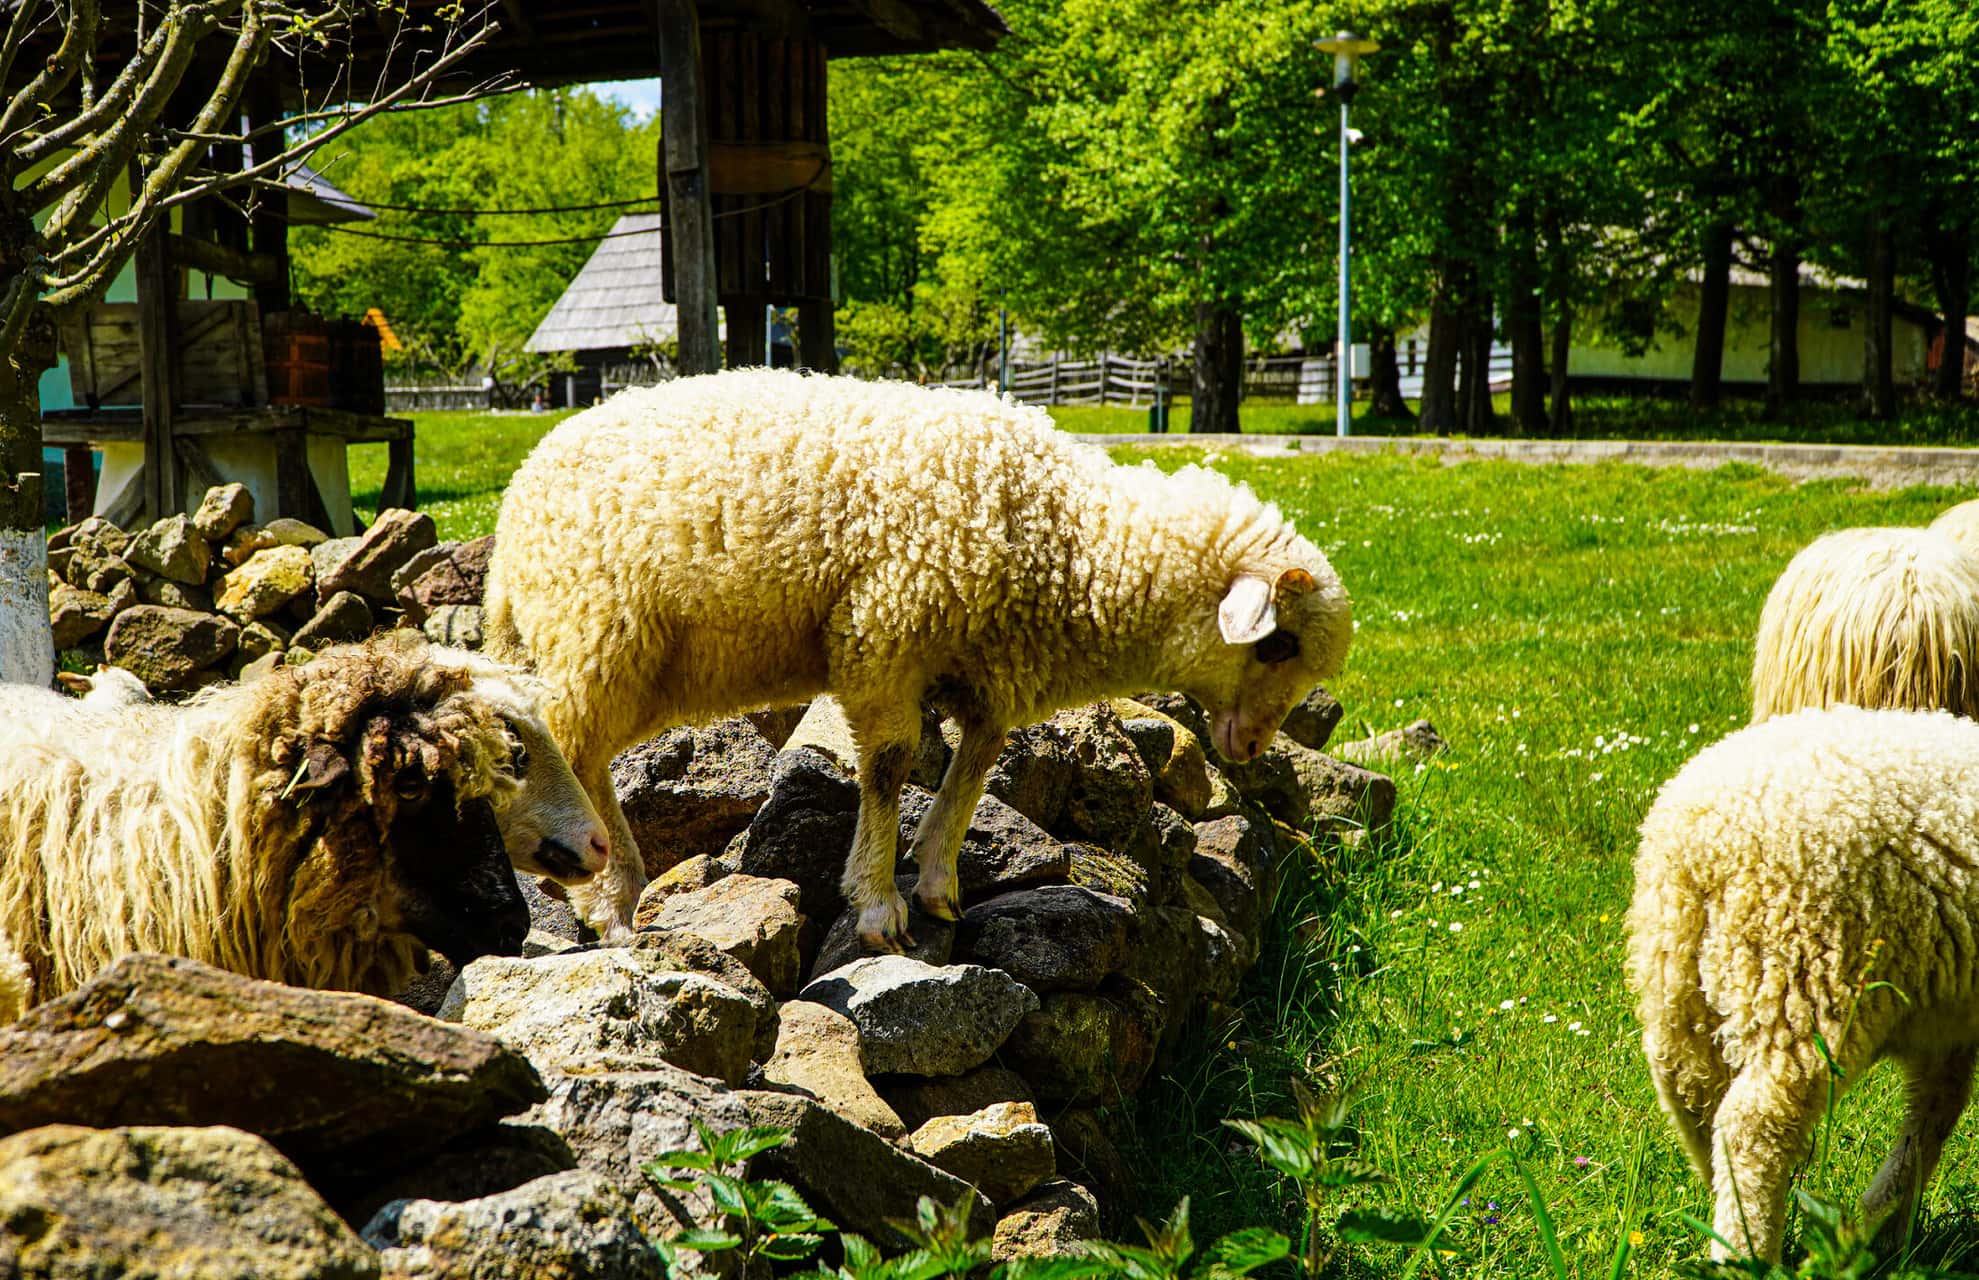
column 601, row 849
column 1251, row 752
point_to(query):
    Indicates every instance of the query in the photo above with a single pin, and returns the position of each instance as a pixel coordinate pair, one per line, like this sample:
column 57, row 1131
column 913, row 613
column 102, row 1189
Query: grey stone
column 748, row 917
column 1233, row 863
column 497, row 1158
column 612, row 1009
column 342, row 618
column 691, row 790
column 686, row 953
column 171, row 548
column 933, row 941
column 916, row 1018
column 286, row 531
column 817, row 1053
column 143, row 1202
column 1313, row 720
column 393, row 538
column 225, row 508
column 574, row 1225
column 1111, row 786
column 917, row 1100
column 1034, row 773
column 1054, row 938
column 406, row 574
column 1342, row 797
column 328, row 554
column 1002, row 849
column 803, row 830
column 173, row 595
column 1052, row 1222
column 1001, row 1150
column 345, row 1085
column 168, row 648
column 1181, row 778
column 1087, row 1048
column 1417, row 740
column 458, row 574
column 458, row 626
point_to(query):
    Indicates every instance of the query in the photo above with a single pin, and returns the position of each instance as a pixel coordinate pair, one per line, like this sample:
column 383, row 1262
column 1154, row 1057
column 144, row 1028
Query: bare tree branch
column 107, row 107
column 18, row 27
column 80, row 35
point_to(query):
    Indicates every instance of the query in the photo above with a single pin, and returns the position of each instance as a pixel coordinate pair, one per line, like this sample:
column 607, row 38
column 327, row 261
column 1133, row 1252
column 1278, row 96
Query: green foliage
column 764, row 1220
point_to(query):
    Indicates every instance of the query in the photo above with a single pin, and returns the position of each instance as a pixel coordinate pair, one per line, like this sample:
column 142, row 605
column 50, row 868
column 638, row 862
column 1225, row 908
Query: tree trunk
column 1218, row 380
column 1527, row 328
column 1783, row 368
column 27, row 647
column 1438, row 405
column 1475, row 414
column 1385, row 377
column 1560, row 421
column 1879, row 388
column 1950, row 251
column 1714, row 296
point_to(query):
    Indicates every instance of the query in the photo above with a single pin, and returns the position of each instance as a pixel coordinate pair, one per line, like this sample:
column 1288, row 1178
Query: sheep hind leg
column 886, row 756
column 1764, row 1129
column 1690, row 1112
column 1939, row 1086
column 938, row 840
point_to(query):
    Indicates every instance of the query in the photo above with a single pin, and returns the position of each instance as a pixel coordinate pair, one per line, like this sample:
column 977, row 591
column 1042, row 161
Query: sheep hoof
column 883, row 928
column 947, row 906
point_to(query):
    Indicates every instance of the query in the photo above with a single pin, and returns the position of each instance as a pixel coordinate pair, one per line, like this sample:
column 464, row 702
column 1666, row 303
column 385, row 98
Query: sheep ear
column 72, row 682
column 1246, row 614
column 322, row 765
column 1293, row 582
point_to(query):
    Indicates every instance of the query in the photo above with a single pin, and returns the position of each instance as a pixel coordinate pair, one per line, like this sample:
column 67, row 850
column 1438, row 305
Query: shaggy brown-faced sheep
column 757, row 537
column 323, row 826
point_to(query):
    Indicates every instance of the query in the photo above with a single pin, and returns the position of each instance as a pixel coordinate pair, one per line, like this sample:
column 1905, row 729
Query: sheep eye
column 1279, row 646
column 410, row 785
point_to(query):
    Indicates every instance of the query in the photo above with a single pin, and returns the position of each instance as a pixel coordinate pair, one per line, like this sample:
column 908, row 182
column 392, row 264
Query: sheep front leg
column 938, row 839
column 1939, row 1086
column 886, row 757
column 607, row 901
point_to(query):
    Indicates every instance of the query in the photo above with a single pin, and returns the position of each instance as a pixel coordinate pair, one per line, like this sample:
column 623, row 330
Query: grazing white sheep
column 1960, row 524
column 754, row 538
column 324, row 826
column 1871, row 618
column 1780, row 872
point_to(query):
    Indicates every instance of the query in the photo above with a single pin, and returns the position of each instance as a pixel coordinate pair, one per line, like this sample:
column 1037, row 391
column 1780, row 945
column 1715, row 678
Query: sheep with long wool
column 757, row 537
column 1784, row 875
column 1871, row 618
column 324, row 826
column 1960, row 524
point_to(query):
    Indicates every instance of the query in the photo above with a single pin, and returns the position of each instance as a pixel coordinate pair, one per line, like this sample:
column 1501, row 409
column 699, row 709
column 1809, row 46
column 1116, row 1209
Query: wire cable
column 456, row 243
column 501, row 213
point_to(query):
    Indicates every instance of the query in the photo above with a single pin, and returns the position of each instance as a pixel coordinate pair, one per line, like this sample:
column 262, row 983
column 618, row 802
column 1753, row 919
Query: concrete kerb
column 1879, row 466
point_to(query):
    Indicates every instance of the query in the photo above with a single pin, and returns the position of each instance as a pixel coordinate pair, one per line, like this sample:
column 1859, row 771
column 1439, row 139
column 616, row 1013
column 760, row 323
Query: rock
column 913, row 1017
column 1233, row 863
column 574, row 1225
column 1088, row 1154
column 95, row 570
column 144, row 1202
column 258, row 640
column 458, row 626
column 241, row 545
column 267, row 581
column 1342, row 797
column 168, row 648
column 1181, row 772
column 458, row 576
column 171, row 548
column 406, row 574
column 848, row 1174
column 1002, row 850
column 753, row 919
column 825, row 730
column 918, row 1100
column 259, row 667
column 289, row 532
column 670, row 949
column 776, row 724
column 1055, row 938
column 690, row 791
column 803, row 830
column 934, row 940
column 1034, row 773
column 547, row 914
column 697, row 872
column 1185, row 711
column 1171, row 962
column 75, row 614
column 817, row 1053
column 1120, row 875
column 1086, row 1048
column 393, row 538
column 498, row 1158
column 97, row 533
column 342, row 618
column 328, row 554
column 173, row 595
column 343, row 1084
column 612, row 1009
column 1052, row 1222
column 1313, row 720
column 614, row 1122
column 225, row 508
column 1417, row 740
column 1002, row 1150
column 1111, row 788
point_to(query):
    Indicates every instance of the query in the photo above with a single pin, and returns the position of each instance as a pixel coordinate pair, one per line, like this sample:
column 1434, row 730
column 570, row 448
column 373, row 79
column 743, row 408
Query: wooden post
column 158, row 343
column 268, row 227
column 78, row 481
column 748, row 345
column 817, row 336
column 684, row 165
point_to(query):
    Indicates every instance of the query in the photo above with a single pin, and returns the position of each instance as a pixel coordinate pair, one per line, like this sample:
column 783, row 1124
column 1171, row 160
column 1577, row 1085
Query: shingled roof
column 615, row 300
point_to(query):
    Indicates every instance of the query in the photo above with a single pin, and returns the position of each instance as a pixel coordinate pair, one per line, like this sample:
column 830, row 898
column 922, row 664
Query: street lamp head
column 1347, row 50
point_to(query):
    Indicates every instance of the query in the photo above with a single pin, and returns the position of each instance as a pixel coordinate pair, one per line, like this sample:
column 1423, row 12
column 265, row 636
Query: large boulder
column 817, row 1053
column 168, row 648
column 394, row 537
column 1111, row 788
column 345, row 1085
column 916, row 1018
column 691, row 790
column 1002, row 1150
column 803, row 830
column 1034, row 773
column 1053, row 938
column 753, row 919
column 142, row 1202
column 574, row 1226
column 612, row 1009
column 171, row 548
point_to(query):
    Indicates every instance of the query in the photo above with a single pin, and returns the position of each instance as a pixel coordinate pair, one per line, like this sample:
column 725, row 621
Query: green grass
column 1577, row 633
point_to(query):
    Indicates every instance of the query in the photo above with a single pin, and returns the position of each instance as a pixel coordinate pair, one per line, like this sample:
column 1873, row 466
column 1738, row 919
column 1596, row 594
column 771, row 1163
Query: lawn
column 1576, row 632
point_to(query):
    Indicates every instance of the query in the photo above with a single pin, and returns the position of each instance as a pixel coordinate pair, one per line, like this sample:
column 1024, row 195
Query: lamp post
column 1347, row 50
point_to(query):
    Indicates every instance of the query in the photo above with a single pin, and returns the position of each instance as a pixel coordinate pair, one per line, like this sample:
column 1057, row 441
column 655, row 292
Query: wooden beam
column 817, row 336
column 748, row 343
column 257, row 269
column 268, row 226
column 684, row 165
column 518, row 21
column 158, row 346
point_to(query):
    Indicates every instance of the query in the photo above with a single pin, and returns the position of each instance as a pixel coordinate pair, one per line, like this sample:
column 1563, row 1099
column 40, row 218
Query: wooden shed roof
column 615, row 300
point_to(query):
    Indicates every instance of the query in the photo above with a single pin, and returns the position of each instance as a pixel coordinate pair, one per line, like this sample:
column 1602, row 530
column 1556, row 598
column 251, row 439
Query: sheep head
column 391, row 769
column 1284, row 628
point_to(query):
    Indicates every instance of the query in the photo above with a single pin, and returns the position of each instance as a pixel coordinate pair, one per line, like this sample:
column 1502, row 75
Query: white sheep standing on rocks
column 753, row 538
column 1871, row 618
column 1781, row 872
